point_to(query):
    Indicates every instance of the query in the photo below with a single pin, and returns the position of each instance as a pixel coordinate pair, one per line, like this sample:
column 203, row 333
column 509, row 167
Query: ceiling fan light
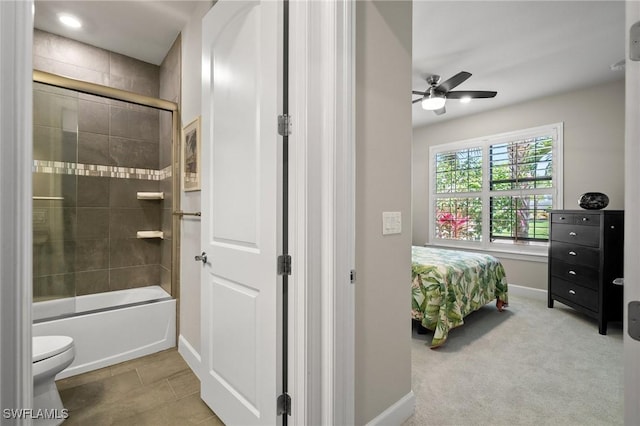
column 433, row 102
column 465, row 99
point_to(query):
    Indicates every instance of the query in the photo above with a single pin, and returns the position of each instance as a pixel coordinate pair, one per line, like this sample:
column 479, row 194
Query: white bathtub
column 112, row 327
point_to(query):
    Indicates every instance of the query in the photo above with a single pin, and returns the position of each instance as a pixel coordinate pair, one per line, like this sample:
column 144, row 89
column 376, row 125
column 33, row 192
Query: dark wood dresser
column 586, row 251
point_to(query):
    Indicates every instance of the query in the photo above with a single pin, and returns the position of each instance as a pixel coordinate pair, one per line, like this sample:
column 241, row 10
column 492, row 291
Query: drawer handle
column 585, row 219
column 572, row 272
column 572, row 292
column 563, row 218
column 573, row 253
column 573, row 234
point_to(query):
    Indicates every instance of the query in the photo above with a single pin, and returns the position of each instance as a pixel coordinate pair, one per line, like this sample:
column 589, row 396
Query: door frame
column 16, row 40
column 322, row 211
column 632, row 228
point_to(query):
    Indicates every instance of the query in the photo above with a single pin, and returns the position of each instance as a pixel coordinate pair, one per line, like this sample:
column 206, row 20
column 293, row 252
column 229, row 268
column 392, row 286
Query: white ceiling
column 521, row 49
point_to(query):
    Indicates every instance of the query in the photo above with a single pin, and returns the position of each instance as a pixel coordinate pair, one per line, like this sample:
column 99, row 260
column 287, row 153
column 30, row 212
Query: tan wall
column 593, row 153
column 383, row 182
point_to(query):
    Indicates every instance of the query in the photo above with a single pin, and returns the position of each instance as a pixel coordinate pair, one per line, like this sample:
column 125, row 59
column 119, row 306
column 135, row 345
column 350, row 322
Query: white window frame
column 556, row 129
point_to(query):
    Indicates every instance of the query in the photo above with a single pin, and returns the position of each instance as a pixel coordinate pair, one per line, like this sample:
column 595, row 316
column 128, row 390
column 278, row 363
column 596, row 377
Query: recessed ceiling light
column 465, row 99
column 69, row 20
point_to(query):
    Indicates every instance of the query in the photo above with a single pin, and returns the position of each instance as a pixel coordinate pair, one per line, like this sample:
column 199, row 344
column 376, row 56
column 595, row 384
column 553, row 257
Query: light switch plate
column 391, row 223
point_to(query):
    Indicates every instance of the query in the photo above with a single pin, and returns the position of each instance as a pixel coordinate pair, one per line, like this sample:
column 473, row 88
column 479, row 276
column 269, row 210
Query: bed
column 447, row 285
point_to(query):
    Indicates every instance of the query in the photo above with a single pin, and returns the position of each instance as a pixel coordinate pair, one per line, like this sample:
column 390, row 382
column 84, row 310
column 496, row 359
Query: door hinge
column 284, row 125
column 284, row 264
column 284, row 404
column 352, row 276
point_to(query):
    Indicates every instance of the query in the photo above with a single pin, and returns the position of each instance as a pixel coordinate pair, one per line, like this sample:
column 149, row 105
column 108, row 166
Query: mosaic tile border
column 79, row 169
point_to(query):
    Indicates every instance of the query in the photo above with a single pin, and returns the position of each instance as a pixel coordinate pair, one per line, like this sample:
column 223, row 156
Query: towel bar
column 181, row 213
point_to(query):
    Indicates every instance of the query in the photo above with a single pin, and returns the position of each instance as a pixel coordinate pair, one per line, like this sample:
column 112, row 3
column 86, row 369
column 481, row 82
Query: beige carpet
column 530, row 365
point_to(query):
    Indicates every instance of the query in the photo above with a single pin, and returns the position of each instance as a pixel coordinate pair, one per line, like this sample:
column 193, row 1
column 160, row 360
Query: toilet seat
column 48, row 346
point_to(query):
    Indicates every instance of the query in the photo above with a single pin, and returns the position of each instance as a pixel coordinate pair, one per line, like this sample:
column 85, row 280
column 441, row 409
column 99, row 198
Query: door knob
column 202, row 258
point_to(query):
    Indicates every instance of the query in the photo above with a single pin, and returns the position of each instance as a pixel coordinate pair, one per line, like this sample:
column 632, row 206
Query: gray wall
column 96, row 248
column 593, row 154
column 383, row 183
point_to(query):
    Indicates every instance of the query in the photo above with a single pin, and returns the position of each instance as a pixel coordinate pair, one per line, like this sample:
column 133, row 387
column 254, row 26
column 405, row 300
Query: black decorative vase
column 593, row 200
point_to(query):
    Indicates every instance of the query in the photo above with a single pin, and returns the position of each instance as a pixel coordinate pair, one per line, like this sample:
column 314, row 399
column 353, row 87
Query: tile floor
column 155, row 390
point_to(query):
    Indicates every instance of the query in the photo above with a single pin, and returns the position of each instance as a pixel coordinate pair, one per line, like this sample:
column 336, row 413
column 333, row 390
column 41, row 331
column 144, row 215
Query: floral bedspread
column 447, row 285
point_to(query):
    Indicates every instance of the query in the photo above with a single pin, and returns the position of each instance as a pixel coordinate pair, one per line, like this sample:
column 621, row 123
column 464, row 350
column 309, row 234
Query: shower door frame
column 147, row 101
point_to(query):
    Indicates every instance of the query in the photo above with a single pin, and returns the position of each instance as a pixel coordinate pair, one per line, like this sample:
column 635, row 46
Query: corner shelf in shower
column 150, row 234
column 150, row 195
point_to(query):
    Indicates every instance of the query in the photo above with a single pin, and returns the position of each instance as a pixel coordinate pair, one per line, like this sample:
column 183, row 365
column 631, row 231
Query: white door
column 241, row 53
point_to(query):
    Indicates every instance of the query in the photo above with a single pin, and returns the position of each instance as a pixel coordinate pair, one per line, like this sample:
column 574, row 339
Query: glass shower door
column 55, row 154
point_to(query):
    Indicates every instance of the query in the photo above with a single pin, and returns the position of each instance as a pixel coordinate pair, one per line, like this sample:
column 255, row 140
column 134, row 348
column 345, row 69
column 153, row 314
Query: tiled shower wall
column 170, row 83
column 91, row 243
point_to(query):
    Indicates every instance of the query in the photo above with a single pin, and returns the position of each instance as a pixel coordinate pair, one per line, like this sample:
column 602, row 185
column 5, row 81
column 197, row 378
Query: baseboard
column 190, row 355
column 398, row 413
column 532, row 293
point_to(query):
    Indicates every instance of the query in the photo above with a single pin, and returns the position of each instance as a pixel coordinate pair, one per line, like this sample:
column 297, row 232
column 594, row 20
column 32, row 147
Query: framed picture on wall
column 191, row 161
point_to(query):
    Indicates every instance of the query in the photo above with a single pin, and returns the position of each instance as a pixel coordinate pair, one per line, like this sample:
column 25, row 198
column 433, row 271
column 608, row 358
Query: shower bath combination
column 105, row 185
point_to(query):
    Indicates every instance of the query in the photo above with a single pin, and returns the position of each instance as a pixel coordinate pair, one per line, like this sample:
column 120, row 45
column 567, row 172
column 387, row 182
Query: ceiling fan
column 434, row 98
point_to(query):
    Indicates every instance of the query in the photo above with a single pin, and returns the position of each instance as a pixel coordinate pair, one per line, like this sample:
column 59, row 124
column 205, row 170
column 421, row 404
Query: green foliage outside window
column 520, row 185
column 459, row 218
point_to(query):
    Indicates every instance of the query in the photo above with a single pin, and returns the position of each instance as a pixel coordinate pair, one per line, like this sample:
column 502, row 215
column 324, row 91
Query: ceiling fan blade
column 474, row 94
column 417, row 100
column 440, row 111
column 415, row 92
column 453, row 81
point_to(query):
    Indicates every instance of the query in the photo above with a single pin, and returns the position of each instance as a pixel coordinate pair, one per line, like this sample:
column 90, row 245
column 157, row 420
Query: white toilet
column 51, row 355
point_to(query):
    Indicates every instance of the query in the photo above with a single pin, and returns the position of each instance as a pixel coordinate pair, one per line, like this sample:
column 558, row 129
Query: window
column 496, row 192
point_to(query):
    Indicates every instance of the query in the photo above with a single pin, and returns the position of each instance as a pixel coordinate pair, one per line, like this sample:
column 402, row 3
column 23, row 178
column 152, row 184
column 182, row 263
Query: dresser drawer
column 577, row 274
column 588, row 219
column 575, row 254
column 578, row 234
column 574, row 293
column 563, row 218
